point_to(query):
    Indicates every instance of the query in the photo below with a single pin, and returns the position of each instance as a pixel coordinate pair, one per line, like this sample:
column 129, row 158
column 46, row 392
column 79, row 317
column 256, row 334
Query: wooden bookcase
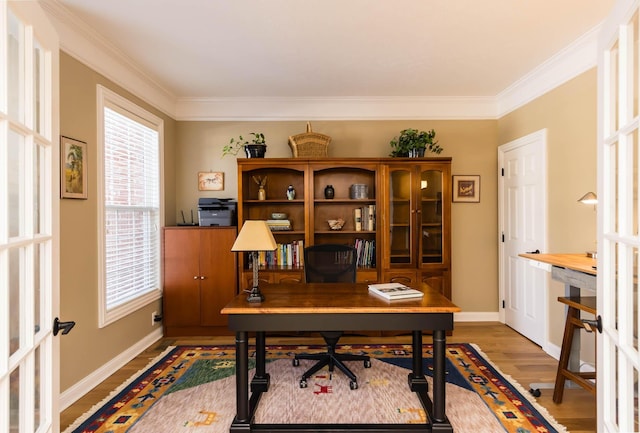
column 395, row 188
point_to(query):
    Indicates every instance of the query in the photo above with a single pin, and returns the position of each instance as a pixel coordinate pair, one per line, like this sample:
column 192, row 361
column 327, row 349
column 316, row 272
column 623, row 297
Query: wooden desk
column 336, row 307
column 576, row 271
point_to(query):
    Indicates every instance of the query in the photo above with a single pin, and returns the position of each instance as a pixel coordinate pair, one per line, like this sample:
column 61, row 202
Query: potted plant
column 254, row 148
column 414, row 143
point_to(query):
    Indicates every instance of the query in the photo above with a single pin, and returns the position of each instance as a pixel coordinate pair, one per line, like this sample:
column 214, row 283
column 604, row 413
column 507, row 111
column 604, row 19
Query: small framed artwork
column 73, row 168
column 211, row 181
column 466, row 189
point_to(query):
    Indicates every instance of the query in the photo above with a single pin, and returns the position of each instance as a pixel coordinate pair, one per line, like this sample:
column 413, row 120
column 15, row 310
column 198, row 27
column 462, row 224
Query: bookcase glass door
column 430, row 215
column 416, row 216
column 401, row 217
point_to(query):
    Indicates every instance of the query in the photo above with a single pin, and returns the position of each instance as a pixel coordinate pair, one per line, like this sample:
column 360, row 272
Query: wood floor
column 514, row 355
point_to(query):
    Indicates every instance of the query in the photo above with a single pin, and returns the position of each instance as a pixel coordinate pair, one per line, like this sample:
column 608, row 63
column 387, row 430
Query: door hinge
column 503, row 303
column 502, row 170
column 503, row 237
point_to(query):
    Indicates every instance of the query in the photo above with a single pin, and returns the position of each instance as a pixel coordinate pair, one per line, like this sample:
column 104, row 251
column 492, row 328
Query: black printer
column 217, row 212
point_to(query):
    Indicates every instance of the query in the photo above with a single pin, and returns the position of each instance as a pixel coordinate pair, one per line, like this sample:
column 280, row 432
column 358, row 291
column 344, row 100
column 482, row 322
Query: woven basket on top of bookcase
column 309, row 144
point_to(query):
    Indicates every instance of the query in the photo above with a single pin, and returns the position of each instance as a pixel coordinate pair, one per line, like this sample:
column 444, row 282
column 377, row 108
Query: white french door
column 618, row 360
column 29, row 191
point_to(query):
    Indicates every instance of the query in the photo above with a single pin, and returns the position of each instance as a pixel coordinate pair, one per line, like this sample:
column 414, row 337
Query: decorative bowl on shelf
column 336, row 224
column 278, row 216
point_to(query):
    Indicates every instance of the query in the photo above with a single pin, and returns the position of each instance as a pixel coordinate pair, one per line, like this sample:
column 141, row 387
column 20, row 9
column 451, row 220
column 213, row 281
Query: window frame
column 109, row 99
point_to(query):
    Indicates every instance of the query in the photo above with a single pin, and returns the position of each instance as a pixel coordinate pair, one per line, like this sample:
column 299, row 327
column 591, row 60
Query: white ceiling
column 337, row 48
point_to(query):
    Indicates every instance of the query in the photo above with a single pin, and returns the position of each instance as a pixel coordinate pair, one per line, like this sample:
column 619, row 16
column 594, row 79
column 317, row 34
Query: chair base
column 332, row 360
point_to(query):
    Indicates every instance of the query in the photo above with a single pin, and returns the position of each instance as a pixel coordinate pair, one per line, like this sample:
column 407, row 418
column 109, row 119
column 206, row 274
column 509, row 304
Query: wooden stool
column 576, row 304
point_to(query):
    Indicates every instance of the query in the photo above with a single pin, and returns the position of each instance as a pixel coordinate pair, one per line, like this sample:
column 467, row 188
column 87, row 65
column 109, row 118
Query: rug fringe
column 531, row 399
column 82, row 418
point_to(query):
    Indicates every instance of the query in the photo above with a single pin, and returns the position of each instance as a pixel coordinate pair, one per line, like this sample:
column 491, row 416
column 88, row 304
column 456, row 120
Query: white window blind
column 131, row 207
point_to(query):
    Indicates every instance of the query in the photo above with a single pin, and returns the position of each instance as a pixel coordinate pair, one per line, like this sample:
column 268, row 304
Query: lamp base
column 255, row 295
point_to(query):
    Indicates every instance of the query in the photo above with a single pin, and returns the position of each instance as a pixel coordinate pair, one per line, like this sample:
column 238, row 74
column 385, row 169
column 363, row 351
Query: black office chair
column 330, row 263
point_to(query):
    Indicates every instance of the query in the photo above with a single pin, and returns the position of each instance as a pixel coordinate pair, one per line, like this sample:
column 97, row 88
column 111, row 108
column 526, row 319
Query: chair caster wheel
column 367, row 364
column 303, row 383
column 535, row 392
column 296, row 362
column 353, row 385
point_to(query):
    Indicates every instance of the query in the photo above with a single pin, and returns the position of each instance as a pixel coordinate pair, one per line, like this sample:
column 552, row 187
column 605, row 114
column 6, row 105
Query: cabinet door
column 402, row 217
column 181, row 294
column 430, row 232
column 438, row 280
column 218, row 267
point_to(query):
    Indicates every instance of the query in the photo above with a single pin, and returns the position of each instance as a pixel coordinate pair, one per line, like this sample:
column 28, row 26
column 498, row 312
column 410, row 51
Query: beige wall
column 471, row 144
column 569, row 114
column 88, row 347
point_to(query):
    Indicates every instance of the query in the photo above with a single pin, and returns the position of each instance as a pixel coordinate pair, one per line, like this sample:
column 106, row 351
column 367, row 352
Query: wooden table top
column 576, row 262
column 296, row 298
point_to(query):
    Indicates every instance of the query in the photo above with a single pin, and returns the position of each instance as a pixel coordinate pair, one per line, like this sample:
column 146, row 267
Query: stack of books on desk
column 278, row 225
column 392, row 291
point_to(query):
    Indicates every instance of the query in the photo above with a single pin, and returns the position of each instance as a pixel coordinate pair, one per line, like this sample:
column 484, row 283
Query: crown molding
column 568, row 63
column 86, row 45
column 338, row 108
column 82, row 42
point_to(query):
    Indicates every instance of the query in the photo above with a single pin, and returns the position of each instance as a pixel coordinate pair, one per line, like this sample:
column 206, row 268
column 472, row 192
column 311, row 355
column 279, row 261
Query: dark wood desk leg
column 417, row 381
column 260, row 382
column 241, row 421
column 439, row 375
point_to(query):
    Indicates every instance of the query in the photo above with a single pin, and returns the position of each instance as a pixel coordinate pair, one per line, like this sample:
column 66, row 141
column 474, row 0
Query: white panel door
column 29, row 191
column 522, row 186
column 618, row 357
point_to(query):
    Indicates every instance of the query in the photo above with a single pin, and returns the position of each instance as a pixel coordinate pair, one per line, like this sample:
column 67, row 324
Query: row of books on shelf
column 291, row 254
column 365, row 218
column 366, row 252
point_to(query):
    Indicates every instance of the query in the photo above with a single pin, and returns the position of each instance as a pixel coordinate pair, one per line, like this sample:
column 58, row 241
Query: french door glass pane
column 15, row 281
column 15, row 166
column 39, row 176
column 38, row 391
column 15, row 68
column 14, row 403
column 37, row 290
column 38, row 88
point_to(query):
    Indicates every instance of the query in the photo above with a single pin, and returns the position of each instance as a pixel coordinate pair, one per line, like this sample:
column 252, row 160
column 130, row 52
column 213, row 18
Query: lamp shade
column 589, row 198
column 254, row 236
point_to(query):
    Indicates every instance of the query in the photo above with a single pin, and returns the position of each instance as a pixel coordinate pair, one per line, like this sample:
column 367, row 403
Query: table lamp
column 590, row 198
column 253, row 237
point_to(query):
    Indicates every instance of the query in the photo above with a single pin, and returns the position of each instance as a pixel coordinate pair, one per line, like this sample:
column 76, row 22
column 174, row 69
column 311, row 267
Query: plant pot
column 255, row 150
column 416, row 153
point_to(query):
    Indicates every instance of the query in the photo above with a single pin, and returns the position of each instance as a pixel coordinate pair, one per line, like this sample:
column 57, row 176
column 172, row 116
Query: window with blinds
column 131, row 207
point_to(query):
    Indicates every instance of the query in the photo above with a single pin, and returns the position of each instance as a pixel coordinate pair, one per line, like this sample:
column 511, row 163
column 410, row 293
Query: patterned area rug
column 192, row 389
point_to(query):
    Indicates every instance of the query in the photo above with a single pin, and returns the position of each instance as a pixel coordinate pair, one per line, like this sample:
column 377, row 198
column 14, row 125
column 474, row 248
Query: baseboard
column 477, row 316
column 79, row 389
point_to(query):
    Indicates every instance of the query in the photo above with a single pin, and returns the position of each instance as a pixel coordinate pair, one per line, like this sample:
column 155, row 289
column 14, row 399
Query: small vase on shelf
column 291, row 192
column 329, row 192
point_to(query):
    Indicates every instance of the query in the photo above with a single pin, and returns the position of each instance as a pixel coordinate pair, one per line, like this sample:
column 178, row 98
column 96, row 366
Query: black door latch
column 65, row 327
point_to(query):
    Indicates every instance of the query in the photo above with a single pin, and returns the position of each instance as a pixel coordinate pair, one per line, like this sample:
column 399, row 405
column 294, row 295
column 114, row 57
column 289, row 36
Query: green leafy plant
column 235, row 144
column 412, row 142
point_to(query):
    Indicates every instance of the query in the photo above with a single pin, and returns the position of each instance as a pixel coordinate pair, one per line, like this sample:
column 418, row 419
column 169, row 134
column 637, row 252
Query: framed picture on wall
column 466, row 189
column 73, row 168
column 211, row 181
